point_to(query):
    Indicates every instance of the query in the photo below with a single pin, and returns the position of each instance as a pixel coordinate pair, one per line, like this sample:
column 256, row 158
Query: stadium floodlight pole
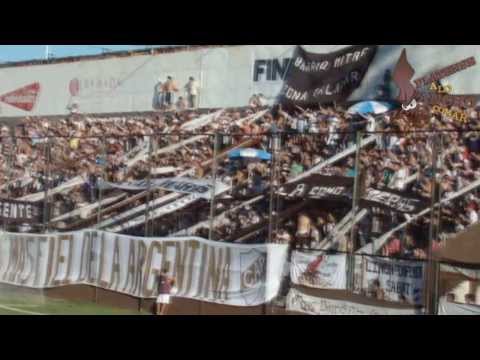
column 216, row 141
column 149, row 186
column 355, row 201
column 430, row 308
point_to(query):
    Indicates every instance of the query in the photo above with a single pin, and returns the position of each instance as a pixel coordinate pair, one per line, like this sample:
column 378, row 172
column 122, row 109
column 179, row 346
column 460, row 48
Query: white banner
column 202, row 188
column 399, row 280
column 450, row 308
column 221, row 273
column 300, row 302
column 318, row 270
column 171, row 207
column 200, row 122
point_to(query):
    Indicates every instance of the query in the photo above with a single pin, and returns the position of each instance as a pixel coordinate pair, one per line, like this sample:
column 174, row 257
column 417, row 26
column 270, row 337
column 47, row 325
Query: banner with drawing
column 228, row 274
column 319, row 270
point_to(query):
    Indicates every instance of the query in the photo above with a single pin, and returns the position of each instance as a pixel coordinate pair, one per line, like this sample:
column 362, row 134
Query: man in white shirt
column 400, row 177
column 332, row 129
column 472, row 215
column 182, row 104
column 159, row 96
column 261, row 100
column 192, row 88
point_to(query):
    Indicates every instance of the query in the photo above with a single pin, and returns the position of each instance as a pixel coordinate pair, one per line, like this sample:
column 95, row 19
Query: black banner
column 314, row 79
column 13, row 211
column 339, row 188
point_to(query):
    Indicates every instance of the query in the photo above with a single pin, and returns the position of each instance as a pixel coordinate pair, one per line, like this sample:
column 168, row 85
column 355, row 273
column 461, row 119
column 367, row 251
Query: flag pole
column 216, row 139
column 356, row 191
column 430, row 281
column 46, row 207
column 149, row 187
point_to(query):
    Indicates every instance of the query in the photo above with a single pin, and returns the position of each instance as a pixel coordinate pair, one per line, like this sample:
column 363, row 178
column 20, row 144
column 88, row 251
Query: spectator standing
column 165, row 289
column 170, row 88
column 192, row 88
column 253, row 102
column 182, row 104
column 261, row 100
column 159, row 95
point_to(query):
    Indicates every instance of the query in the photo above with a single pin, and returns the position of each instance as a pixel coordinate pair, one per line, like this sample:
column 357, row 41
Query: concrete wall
column 227, row 75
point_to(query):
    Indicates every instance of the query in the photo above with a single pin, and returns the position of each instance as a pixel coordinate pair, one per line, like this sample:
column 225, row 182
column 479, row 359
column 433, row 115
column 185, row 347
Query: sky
column 31, row 52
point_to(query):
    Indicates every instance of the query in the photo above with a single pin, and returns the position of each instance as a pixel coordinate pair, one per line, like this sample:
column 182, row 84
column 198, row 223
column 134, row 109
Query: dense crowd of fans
column 117, row 150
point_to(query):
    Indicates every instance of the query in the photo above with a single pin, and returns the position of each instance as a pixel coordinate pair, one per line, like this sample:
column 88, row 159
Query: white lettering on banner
column 313, row 66
column 318, row 192
column 292, row 94
column 391, row 200
column 237, row 275
column 299, row 302
column 318, row 270
column 17, row 211
column 181, row 185
column 350, row 58
column 400, row 280
column 353, row 77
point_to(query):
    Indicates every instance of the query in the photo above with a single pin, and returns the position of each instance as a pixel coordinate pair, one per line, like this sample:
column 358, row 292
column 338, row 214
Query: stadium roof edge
column 114, row 54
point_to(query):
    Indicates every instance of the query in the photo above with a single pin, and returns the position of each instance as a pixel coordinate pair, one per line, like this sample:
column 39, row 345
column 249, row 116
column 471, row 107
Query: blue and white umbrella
column 249, row 153
column 371, row 107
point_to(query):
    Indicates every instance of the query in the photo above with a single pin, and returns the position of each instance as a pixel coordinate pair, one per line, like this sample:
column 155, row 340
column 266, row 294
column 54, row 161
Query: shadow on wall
column 377, row 77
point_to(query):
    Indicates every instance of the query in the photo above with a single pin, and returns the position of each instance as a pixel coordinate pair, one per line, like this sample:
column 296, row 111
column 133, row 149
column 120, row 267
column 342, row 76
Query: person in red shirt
column 165, row 285
column 394, row 247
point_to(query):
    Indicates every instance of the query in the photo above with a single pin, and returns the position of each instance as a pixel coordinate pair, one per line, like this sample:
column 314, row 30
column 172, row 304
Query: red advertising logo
column 24, row 98
column 74, row 87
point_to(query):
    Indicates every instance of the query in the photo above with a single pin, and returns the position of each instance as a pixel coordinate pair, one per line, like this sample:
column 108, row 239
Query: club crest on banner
column 255, row 264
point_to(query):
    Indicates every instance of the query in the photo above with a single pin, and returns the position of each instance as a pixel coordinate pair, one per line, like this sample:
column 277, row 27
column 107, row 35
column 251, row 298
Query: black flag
column 314, row 79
